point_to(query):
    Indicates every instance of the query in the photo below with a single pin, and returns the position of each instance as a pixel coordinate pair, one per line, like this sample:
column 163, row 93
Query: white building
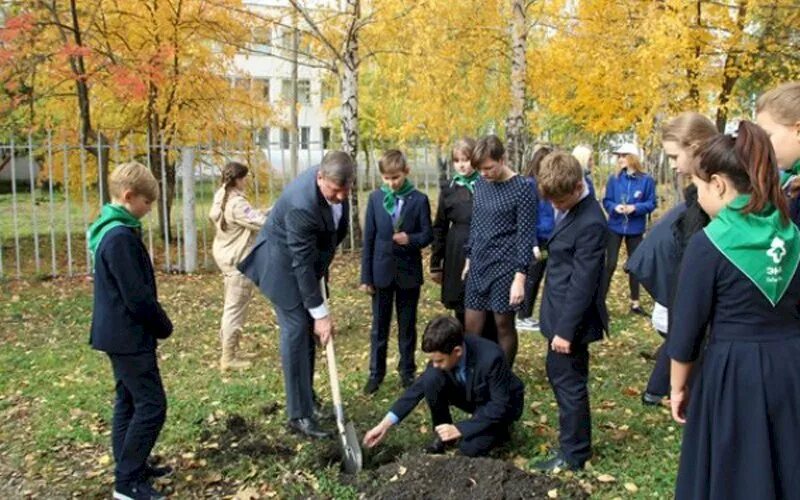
column 267, row 69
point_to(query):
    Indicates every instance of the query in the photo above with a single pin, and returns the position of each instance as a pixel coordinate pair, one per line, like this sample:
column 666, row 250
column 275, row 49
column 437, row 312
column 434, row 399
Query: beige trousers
column 238, row 292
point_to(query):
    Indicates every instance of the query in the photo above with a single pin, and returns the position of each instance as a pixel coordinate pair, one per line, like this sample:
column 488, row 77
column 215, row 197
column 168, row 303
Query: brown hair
column 633, row 162
column 688, row 129
column 392, row 160
column 782, row 103
column 231, row 172
column 559, row 175
column 465, row 146
column 487, row 147
column 134, row 176
column 442, row 334
column 534, row 164
column 748, row 160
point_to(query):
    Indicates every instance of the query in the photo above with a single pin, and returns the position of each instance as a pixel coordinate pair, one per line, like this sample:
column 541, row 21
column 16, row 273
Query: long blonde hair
column 634, row 163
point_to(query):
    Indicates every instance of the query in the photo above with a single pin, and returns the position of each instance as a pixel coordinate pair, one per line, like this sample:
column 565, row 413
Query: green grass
column 56, row 395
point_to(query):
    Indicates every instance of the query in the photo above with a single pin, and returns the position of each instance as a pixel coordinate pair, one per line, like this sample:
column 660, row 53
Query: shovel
column 351, row 449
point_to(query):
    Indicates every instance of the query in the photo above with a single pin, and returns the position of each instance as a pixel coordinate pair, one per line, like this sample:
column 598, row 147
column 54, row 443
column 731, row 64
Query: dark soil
column 240, row 437
column 458, row 477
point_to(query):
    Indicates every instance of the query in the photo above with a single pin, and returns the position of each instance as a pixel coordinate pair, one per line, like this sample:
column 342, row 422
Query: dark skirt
column 741, row 438
column 454, row 259
column 492, row 298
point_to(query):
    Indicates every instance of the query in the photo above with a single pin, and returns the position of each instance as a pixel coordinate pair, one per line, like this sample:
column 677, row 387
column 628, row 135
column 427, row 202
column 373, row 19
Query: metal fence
column 50, row 193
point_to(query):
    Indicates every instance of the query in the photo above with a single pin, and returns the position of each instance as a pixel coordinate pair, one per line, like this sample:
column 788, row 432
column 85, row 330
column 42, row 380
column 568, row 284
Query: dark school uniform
column 396, row 273
column 741, row 435
column 574, row 308
column 127, row 322
column 482, row 385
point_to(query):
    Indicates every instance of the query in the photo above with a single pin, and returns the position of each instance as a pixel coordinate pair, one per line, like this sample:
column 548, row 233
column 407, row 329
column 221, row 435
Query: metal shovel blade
column 351, row 450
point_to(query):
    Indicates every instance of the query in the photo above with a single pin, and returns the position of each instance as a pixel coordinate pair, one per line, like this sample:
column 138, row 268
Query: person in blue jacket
column 630, row 196
column 544, row 228
column 397, row 227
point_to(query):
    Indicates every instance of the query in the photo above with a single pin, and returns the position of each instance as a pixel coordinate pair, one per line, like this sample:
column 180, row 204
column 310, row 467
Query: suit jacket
column 126, row 316
column 382, row 260
column 574, row 304
column 295, row 247
column 496, row 394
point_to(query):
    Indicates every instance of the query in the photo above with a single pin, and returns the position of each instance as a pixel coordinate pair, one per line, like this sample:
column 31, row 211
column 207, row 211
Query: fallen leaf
column 248, row 493
column 631, row 487
column 552, row 493
column 606, row 478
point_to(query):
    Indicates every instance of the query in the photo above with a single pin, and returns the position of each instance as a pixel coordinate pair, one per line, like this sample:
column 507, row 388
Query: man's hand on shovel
column 323, row 328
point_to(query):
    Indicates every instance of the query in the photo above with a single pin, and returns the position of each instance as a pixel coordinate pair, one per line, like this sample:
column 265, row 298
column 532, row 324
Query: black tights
column 506, row 330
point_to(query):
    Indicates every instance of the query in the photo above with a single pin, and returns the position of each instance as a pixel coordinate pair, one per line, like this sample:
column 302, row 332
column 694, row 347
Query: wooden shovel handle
column 333, row 373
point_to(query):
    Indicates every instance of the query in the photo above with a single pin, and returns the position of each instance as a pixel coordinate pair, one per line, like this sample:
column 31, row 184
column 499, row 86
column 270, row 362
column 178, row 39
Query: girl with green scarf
column 739, row 283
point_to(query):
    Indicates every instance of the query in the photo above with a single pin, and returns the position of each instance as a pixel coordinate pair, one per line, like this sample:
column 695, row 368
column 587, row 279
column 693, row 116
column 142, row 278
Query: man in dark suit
column 470, row 373
column 573, row 311
column 291, row 254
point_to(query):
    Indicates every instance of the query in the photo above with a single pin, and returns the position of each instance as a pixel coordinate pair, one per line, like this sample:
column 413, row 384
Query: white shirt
column 660, row 318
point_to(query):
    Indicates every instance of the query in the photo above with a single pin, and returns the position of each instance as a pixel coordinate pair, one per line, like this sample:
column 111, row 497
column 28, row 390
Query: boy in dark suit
column 573, row 311
column 470, row 373
column 127, row 322
column 397, row 227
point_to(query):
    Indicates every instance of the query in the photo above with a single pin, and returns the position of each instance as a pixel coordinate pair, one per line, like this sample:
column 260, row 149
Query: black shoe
column 556, row 462
column 406, row 380
column 308, row 427
column 137, row 491
column 638, row 310
column 649, row 399
column 154, row 471
column 372, row 386
column 436, row 447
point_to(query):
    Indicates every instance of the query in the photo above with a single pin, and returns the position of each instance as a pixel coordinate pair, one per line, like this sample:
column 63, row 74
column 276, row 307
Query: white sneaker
column 528, row 325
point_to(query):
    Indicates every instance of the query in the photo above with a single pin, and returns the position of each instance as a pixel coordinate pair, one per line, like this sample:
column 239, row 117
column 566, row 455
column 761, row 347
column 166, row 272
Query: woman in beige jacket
column 237, row 224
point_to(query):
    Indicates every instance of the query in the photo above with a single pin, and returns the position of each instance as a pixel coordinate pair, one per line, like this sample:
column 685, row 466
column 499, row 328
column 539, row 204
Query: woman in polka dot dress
column 500, row 247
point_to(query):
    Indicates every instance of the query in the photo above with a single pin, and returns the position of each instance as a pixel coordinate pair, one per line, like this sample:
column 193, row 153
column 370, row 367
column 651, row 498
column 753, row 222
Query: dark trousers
column 405, row 301
column 532, row 283
column 612, row 255
column 298, row 349
column 441, row 391
column 569, row 375
column 658, row 384
column 140, row 410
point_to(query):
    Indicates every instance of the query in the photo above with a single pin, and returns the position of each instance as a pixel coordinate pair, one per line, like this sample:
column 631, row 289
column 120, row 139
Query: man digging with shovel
column 470, row 373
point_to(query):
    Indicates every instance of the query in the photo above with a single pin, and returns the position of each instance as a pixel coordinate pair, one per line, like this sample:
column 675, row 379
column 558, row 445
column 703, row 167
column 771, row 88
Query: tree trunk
column 349, row 89
column 731, row 70
column 515, row 123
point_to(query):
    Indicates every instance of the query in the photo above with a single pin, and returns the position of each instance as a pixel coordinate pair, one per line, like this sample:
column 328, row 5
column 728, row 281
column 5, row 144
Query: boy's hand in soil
column 375, row 435
column 448, row 432
column 367, row 288
column 400, row 238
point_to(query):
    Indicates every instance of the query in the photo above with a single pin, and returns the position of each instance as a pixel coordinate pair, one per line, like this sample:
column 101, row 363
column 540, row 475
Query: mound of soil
column 429, row 476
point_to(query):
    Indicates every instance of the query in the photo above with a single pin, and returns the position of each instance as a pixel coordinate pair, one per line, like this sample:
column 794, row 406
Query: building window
column 262, row 39
column 263, row 137
column 304, row 92
column 286, row 90
column 326, row 137
column 261, row 86
column 241, row 83
column 305, row 136
column 328, row 91
column 285, row 138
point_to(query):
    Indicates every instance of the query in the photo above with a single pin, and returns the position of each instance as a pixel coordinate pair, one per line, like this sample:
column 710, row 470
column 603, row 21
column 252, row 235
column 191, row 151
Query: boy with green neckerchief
column 397, row 227
column 127, row 322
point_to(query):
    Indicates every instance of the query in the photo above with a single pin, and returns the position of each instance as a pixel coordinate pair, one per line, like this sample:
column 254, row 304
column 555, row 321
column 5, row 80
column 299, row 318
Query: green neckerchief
column 760, row 245
column 785, row 175
column 390, row 197
column 468, row 181
column 111, row 216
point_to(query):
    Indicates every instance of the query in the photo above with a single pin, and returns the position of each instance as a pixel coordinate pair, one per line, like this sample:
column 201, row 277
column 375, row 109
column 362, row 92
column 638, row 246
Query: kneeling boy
column 470, row 373
column 573, row 311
